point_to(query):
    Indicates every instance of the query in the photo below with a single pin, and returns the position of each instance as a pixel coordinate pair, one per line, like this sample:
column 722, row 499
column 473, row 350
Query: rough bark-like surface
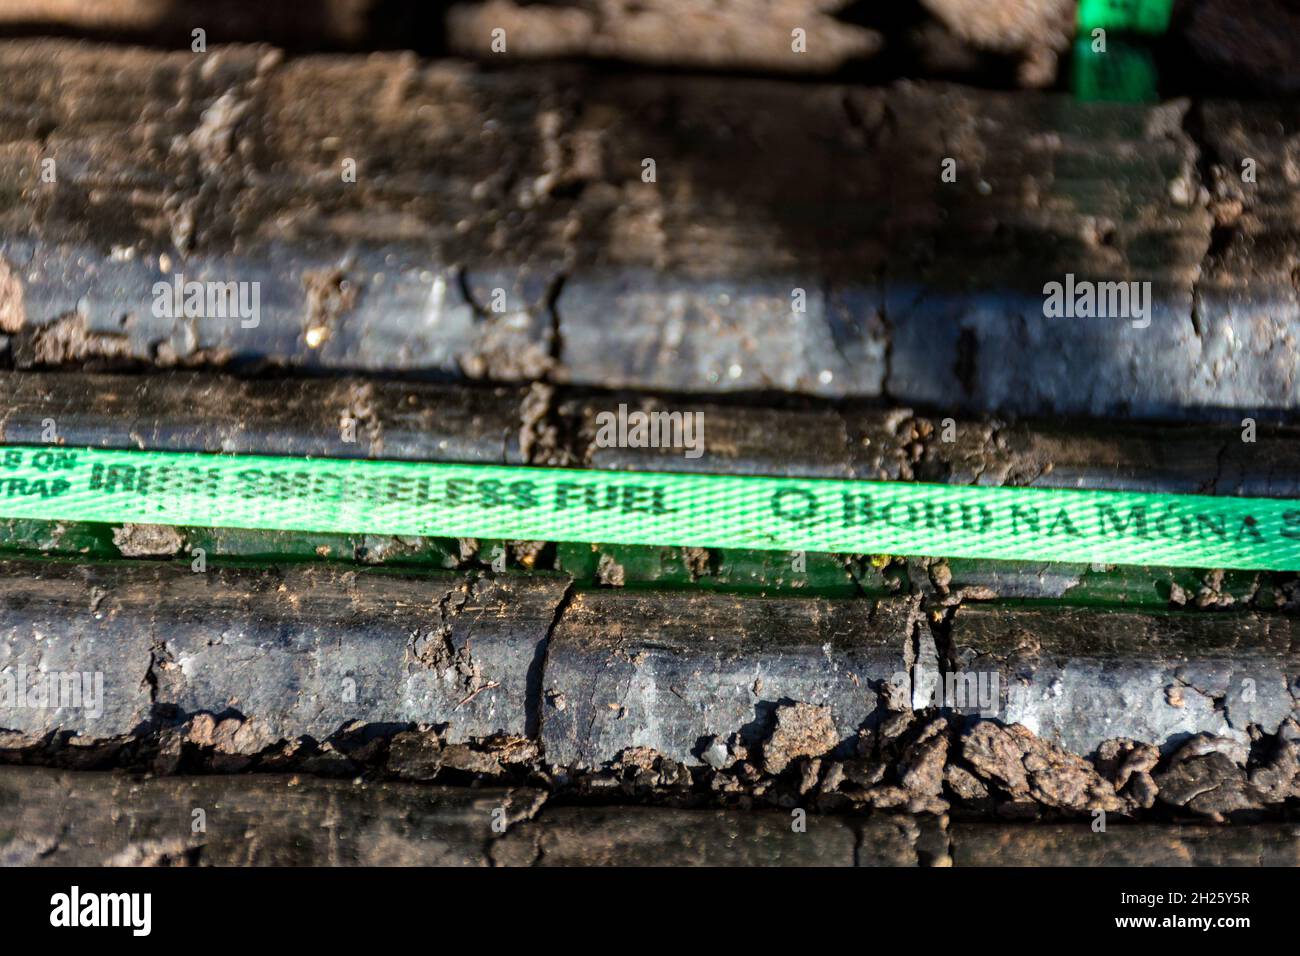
column 1078, row 677
column 639, row 836
column 853, row 441
column 55, row 818
column 1078, row 844
column 236, row 173
column 296, row 652
column 1249, row 282
column 873, row 250
column 192, row 411
column 322, row 417
column 232, row 170
column 93, row 819
column 627, row 670
column 808, row 441
column 59, row 818
column 705, row 699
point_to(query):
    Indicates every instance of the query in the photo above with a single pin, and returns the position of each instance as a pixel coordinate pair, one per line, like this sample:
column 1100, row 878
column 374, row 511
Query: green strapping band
column 648, row 508
column 1124, row 72
column 1138, row 16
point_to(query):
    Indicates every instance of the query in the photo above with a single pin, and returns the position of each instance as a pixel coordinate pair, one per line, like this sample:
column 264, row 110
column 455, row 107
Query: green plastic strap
column 1138, row 16
column 1123, row 74
column 1119, row 72
column 649, row 508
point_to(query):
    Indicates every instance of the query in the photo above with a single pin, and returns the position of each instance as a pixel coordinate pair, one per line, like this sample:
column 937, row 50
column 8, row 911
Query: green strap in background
column 1136, row 16
column 1125, row 72
column 647, row 508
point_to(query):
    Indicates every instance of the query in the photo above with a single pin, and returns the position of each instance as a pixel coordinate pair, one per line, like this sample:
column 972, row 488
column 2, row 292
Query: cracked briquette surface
column 528, row 184
column 689, row 698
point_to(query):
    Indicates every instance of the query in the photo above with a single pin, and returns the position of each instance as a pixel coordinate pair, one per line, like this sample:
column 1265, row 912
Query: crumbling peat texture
column 62, row 818
column 498, row 218
column 543, row 424
column 978, row 710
